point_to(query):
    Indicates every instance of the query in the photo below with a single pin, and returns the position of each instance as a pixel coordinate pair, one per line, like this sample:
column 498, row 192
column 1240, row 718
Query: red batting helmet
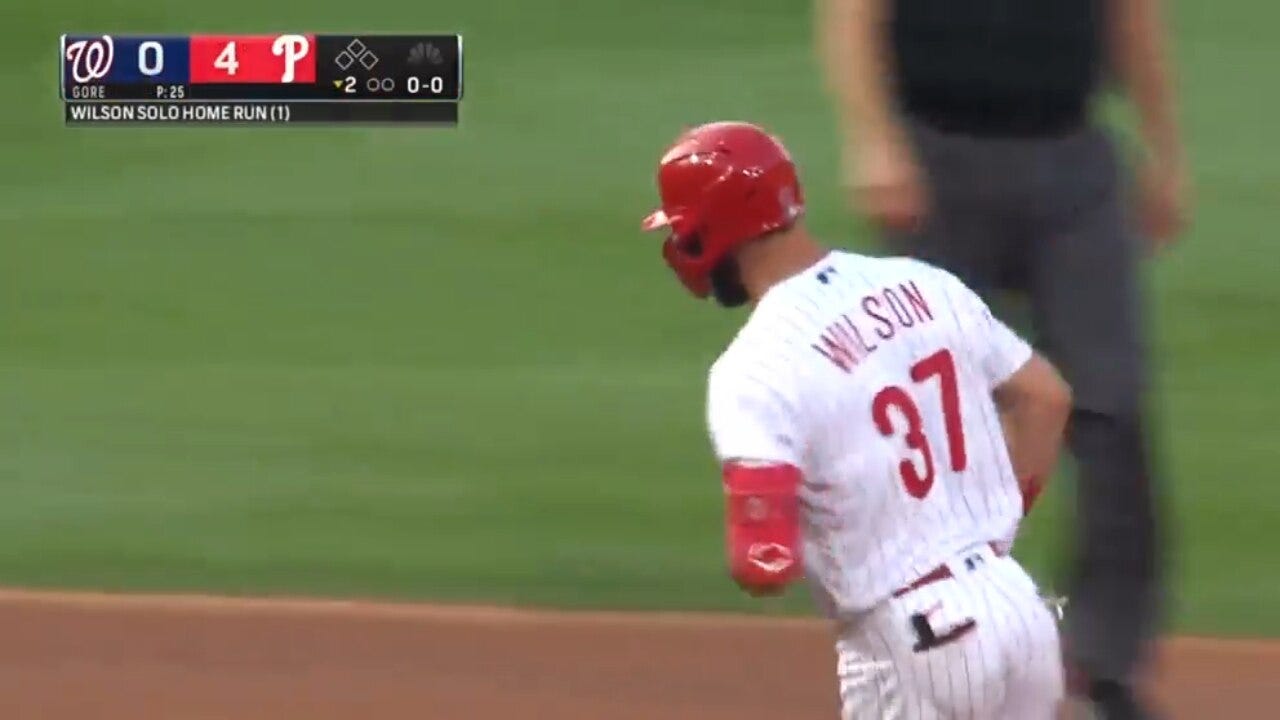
column 722, row 185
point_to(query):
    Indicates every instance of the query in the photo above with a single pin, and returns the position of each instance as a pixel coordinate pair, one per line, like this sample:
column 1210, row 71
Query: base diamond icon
column 356, row 52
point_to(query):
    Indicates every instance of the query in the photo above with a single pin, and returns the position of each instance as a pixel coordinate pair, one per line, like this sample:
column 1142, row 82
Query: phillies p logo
column 293, row 48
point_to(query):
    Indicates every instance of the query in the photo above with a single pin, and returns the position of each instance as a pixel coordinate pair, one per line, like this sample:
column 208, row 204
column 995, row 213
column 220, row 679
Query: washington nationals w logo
column 91, row 59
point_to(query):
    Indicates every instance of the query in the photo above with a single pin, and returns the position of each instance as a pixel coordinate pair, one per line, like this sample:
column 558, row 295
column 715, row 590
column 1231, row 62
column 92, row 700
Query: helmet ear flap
column 686, row 254
column 691, row 245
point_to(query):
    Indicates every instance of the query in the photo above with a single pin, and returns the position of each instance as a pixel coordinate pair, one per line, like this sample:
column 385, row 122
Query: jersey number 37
column 916, row 479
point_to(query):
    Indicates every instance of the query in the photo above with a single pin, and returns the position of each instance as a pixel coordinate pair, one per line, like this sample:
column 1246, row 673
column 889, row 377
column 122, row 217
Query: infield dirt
column 77, row 656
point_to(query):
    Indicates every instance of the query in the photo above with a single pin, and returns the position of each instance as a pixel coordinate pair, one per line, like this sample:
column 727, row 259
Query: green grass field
column 445, row 364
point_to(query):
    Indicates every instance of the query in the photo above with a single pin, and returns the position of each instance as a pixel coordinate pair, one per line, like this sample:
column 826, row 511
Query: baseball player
column 880, row 432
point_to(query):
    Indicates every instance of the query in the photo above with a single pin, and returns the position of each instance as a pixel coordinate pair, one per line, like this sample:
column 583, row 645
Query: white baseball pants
column 1002, row 663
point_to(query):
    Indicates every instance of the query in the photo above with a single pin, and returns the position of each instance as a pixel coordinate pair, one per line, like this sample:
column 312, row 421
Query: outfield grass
column 445, row 364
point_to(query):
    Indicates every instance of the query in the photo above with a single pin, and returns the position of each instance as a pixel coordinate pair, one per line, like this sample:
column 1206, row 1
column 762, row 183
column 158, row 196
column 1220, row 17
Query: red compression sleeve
column 763, row 518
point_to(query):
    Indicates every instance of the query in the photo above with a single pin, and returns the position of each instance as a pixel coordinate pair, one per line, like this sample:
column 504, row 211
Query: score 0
column 414, row 84
column 151, row 64
column 150, row 58
column 435, row 84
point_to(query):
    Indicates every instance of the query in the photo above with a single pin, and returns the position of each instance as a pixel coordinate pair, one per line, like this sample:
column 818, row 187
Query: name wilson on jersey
column 849, row 340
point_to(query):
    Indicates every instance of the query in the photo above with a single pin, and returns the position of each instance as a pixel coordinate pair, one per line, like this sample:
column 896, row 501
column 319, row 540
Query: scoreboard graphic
column 281, row 79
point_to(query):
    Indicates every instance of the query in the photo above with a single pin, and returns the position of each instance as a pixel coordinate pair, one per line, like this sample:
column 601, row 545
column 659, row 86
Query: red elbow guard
column 763, row 518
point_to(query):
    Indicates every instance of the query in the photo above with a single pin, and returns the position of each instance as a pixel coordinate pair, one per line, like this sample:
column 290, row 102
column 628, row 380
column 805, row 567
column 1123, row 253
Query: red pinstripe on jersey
column 874, row 377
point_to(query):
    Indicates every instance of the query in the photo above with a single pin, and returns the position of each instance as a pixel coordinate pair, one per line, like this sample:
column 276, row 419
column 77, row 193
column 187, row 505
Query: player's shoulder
column 931, row 279
column 897, row 267
column 772, row 331
column 795, row 303
column 741, row 362
column 751, row 365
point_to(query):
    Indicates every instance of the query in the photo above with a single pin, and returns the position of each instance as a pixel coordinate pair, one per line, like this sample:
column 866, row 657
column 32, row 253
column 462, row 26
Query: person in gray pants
column 970, row 144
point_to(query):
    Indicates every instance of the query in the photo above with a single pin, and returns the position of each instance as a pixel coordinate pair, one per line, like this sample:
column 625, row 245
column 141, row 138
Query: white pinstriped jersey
column 874, row 377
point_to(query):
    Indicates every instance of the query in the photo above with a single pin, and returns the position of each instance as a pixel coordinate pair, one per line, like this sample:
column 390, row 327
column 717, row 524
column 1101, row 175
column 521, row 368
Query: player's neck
column 763, row 264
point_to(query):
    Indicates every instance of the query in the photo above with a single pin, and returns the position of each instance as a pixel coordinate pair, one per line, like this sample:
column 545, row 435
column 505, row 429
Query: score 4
column 274, row 59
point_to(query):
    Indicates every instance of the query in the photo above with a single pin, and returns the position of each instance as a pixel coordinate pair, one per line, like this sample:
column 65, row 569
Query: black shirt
column 997, row 67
